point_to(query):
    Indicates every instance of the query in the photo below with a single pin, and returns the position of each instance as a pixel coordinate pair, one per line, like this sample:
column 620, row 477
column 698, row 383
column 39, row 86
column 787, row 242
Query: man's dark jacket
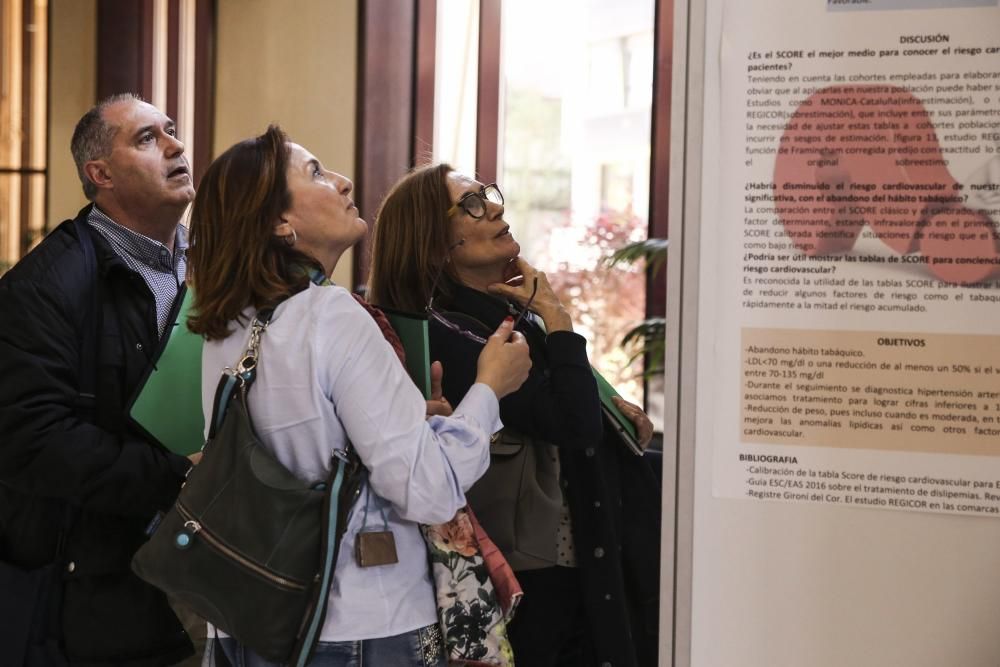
column 49, row 455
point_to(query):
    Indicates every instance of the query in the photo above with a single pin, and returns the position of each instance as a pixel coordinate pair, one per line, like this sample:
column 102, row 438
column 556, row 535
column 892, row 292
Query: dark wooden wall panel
column 384, row 146
column 426, row 57
column 28, row 74
column 488, row 105
column 124, row 47
column 659, row 168
column 204, row 86
column 173, row 55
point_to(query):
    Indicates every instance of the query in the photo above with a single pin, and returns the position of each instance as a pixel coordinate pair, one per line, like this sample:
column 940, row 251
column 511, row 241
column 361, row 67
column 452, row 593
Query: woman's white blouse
column 326, row 375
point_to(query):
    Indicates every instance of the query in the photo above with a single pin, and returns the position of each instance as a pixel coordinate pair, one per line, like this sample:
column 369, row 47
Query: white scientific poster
column 850, row 253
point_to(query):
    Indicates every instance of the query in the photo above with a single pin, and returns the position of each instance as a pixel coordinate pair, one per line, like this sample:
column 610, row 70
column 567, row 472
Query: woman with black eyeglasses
column 576, row 514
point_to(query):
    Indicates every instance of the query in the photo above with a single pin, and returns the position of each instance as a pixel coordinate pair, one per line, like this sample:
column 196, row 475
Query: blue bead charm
column 183, row 539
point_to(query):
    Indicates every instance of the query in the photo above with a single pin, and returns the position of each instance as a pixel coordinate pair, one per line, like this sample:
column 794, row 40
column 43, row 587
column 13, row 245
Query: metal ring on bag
column 246, row 364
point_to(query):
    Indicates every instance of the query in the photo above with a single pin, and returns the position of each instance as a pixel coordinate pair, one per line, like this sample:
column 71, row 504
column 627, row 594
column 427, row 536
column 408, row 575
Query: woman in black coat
column 581, row 530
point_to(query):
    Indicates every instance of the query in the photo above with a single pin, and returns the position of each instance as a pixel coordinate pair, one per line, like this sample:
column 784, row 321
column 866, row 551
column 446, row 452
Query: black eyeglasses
column 451, row 326
column 474, row 203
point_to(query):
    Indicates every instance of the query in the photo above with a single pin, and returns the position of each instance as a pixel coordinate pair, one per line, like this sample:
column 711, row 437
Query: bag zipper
column 197, row 529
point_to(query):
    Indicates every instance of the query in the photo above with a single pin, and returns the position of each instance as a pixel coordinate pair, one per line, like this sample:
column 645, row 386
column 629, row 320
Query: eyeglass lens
column 435, row 314
column 474, row 203
column 454, row 327
column 492, row 193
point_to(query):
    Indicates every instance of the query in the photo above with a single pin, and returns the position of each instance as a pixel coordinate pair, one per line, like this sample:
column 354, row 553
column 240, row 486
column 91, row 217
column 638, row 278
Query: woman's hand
column 437, row 404
column 546, row 302
column 504, row 362
column 643, row 427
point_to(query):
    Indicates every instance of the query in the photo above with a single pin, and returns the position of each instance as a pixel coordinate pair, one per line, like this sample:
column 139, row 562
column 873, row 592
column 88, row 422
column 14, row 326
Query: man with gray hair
column 81, row 319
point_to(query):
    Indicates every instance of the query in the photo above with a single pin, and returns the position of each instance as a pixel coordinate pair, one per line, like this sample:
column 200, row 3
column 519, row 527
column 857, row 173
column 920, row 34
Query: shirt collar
column 143, row 249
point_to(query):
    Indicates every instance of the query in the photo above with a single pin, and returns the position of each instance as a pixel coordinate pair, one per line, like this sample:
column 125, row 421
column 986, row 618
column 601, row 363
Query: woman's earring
column 291, row 239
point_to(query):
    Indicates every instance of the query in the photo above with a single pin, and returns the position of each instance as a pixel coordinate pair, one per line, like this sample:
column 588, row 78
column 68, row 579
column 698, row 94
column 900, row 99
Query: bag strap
column 330, row 548
column 86, row 407
column 242, row 375
column 87, row 398
column 247, row 366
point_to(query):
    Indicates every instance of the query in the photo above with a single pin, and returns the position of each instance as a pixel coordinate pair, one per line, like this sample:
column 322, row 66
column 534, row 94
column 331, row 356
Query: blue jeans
column 422, row 647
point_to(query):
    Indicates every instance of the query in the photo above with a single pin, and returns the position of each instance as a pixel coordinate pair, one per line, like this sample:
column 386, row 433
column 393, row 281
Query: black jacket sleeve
column 46, row 450
column 559, row 401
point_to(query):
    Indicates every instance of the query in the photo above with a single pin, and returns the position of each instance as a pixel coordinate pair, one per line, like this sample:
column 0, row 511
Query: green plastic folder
column 168, row 407
column 412, row 330
column 621, row 424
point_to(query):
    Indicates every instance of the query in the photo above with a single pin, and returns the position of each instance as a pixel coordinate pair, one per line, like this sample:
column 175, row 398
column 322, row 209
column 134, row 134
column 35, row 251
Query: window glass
column 577, row 79
column 23, row 77
column 455, row 84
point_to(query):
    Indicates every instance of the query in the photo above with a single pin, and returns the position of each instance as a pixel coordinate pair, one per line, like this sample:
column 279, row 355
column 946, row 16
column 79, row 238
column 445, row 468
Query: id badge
column 376, row 547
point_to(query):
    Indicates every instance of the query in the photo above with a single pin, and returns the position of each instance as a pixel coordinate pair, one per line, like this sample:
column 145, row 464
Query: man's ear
column 98, row 173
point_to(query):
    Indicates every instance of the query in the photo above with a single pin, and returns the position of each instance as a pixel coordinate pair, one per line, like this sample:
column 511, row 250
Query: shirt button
column 598, row 552
column 71, row 566
column 606, row 664
column 597, row 503
column 589, row 451
column 138, row 346
column 607, row 596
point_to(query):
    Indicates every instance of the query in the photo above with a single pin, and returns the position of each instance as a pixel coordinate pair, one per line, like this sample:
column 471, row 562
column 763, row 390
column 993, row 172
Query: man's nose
column 174, row 145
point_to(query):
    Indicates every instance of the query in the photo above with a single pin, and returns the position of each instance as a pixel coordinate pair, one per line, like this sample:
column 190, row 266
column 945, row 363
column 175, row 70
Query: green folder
column 412, row 330
column 621, row 424
column 168, row 406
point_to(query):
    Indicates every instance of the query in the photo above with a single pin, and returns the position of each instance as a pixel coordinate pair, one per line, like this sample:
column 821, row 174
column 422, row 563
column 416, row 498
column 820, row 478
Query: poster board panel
column 816, row 580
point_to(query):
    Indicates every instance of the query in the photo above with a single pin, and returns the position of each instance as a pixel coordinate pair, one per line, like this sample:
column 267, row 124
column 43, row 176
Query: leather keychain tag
column 376, row 547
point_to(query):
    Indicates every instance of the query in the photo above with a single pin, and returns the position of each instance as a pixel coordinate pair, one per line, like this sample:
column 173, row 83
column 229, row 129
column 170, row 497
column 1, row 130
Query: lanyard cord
column 381, row 510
